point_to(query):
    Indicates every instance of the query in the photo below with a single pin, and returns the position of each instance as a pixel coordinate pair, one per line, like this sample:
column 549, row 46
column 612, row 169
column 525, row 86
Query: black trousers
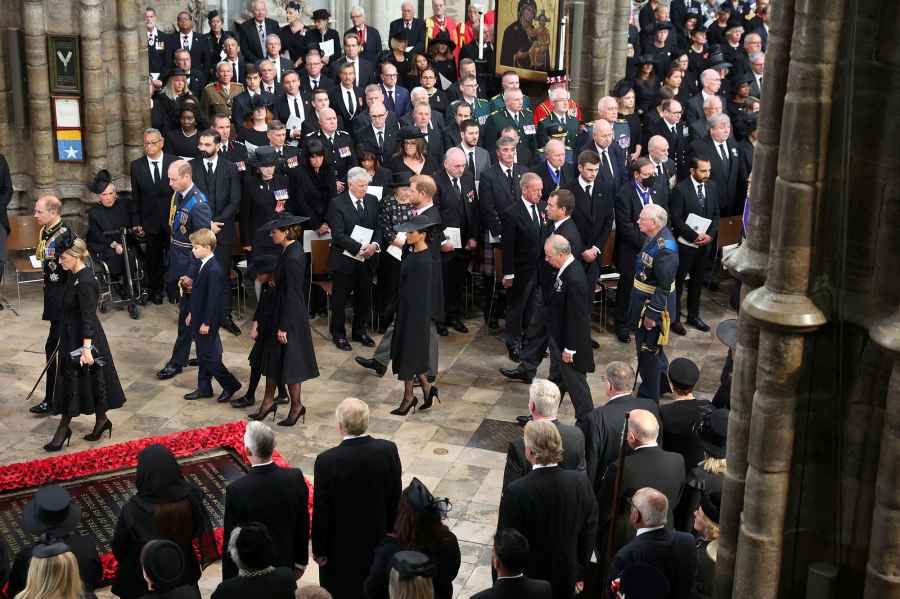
column 223, row 255
column 360, row 284
column 182, row 349
column 521, row 302
column 572, row 381
column 653, row 365
column 157, row 245
column 625, row 257
column 691, row 261
column 536, row 339
column 209, row 360
column 49, row 348
column 454, row 265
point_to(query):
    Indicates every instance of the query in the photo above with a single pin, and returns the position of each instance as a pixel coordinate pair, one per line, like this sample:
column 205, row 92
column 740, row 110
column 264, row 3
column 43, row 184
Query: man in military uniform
column 468, row 90
column 288, row 157
column 557, row 80
column 513, row 114
column 218, row 96
column 338, row 145
column 189, row 212
column 509, row 81
column 48, row 214
column 563, row 117
column 653, row 299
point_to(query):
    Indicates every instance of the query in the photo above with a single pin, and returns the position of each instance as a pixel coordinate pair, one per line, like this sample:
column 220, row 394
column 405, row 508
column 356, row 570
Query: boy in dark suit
column 204, row 317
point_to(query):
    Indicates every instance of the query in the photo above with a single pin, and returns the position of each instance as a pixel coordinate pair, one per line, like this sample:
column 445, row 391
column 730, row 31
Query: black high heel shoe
column 429, row 401
column 289, row 421
column 95, row 434
column 261, row 415
column 404, row 407
column 51, row 446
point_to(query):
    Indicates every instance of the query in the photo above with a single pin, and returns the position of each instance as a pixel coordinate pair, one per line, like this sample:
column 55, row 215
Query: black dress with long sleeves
column 409, row 346
column 182, row 145
column 103, row 220
column 264, row 316
column 84, row 389
column 294, row 42
column 295, row 361
column 260, row 201
column 314, row 190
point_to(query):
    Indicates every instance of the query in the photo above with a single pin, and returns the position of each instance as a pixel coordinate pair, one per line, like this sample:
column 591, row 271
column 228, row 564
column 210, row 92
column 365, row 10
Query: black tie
column 351, row 109
column 512, row 183
column 535, row 217
column 456, row 187
column 472, row 163
column 723, row 152
column 659, row 169
column 209, row 169
column 360, row 208
column 391, row 98
column 606, row 166
column 587, row 190
column 296, row 108
column 315, row 84
column 155, row 172
column 380, row 139
column 701, row 196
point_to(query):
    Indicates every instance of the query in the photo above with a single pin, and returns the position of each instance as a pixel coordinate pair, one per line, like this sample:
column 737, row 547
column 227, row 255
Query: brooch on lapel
column 557, row 286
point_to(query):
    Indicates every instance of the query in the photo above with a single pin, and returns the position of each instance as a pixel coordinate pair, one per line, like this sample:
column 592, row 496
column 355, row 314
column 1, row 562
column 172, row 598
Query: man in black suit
column 195, row 43
column 415, row 28
column 252, row 32
column 699, row 196
column 274, row 496
column 458, row 204
column 151, row 198
column 648, row 464
column 347, row 98
column 219, row 181
column 543, row 403
column 291, row 107
column 631, row 199
column 418, row 95
column 273, row 55
column 159, row 46
column 676, row 133
column 666, row 176
column 522, row 252
column 313, row 78
column 555, row 510
column 553, row 170
column 509, row 560
column 724, row 157
column 368, row 37
column 355, row 501
column 498, row 186
column 377, row 133
column 712, row 84
column 364, row 71
column 197, row 79
column 374, row 95
column 672, row 553
column 613, row 172
column 353, row 272
column 434, row 138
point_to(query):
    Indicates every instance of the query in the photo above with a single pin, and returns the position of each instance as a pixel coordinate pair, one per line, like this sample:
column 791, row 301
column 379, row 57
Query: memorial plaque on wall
column 64, row 55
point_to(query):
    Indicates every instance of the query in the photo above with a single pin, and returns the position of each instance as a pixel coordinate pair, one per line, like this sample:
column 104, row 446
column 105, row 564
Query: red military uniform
column 545, row 108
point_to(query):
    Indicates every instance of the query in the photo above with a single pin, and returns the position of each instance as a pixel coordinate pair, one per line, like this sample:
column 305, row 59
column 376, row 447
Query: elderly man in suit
column 712, row 84
column 509, row 560
column 672, row 553
column 555, row 510
column 415, row 27
column 724, row 156
column 369, row 38
column 553, row 169
column 313, row 78
column 273, row 55
column 275, row 496
column 676, row 133
column 375, row 131
column 355, row 501
column 350, row 261
column 613, row 172
column 543, row 403
column 252, row 32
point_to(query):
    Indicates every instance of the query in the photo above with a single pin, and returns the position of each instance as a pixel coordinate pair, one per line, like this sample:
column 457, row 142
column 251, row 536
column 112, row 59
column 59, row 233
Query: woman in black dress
column 437, row 99
column 165, row 507
column 182, row 141
column 288, row 356
column 396, row 54
column 293, row 35
column 624, row 94
column 646, row 84
column 419, row 527
column 412, row 326
column 322, row 33
column 440, row 50
column 216, row 37
column 315, row 184
column 266, row 193
column 109, row 215
column 396, row 208
column 87, row 382
column 412, row 156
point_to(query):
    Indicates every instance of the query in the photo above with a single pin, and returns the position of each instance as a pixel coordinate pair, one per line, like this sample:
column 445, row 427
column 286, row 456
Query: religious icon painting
column 527, row 34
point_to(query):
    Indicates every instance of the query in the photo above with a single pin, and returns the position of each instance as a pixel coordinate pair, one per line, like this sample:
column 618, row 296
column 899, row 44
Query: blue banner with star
column 69, row 146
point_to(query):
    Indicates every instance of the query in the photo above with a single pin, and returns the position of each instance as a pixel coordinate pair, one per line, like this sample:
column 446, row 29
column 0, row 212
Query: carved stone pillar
column 96, row 112
column 132, row 75
column 34, row 24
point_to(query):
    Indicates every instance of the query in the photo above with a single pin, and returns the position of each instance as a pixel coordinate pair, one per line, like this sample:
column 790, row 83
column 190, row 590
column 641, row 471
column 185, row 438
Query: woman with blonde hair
column 706, row 528
column 52, row 574
column 411, row 576
column 89, row 383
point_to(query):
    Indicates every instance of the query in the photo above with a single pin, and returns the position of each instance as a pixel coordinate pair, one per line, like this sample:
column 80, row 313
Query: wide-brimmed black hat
column 263, row 263
column 65, row 241
column 264, row 156
column 643, row 581
column 321, row 14
column 175, row 72
column 163, row 562
column 623, row 86
column 700, row 28
column 743, row 78
column 662, row 26
column 643, row 59
column 726, row 331
column 443, row 37
column 51, row 509
column 254, row 546
column 101, row 181
column 712, row 431
column 684, row 373
column 411, row 564
column 716, row 60
column 283, row 220
column 711, row 502
column 259, row 101
column 416, row 223
column 401, row 179
column 409, row 132
column 399, row 34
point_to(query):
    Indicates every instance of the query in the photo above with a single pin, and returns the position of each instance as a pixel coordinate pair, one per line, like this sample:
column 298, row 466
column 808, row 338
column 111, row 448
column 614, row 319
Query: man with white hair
column 647, row 464
column 418, row 95
column 670, row 552
column 273, row 54
column 414, row 27
column 350, row 261
column 355, row 501
column 700, row 127
column 252, row 33
column 658, row 153
column 272, row 495
column 724, row 155
column 513, row 114
column 653, row 299
column 369, row 38
column 711, row 81
column 560, row 114
column 543, row 403
column 557, row 81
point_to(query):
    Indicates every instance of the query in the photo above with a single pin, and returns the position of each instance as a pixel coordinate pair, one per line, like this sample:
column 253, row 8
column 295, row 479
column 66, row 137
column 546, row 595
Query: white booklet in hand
column 454, row 236
column 699, row 224
column 395, row 252
column 361, row 235
column 35, row 263
column 375, row 190
column 327, row 48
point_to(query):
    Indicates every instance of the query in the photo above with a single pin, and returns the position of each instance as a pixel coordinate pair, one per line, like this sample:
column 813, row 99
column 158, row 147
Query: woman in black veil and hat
column 87, row 382
column 107, row 216
column 166, row 506
column 287, row 356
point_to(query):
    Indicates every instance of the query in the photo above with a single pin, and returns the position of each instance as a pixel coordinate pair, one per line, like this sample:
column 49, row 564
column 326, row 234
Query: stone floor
column 440, row 447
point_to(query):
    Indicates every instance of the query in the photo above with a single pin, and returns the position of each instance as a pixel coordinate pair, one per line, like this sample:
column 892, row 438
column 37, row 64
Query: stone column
column 35, row 26
column 94, row 84
column 133, row 75
column 600, row 49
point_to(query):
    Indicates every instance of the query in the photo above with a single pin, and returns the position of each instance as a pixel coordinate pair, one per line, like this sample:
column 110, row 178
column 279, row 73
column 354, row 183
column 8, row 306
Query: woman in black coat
column 315, row 184
column 266, row 193
column 216, row 37
column 288, row 356
column 412, row 325
column 87, row 382
column 163, row 566
column 107, row 216
column 165, row 507
column 251, row 548
column 419, row 527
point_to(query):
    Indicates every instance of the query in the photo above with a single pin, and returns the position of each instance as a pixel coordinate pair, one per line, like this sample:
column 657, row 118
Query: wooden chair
column 729, row 231
column 22, row 242
column 498, row 279
column 607, row 281
column 319, row 274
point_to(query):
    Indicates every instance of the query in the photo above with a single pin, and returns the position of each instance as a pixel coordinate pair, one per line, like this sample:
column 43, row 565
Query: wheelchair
column 128, row 288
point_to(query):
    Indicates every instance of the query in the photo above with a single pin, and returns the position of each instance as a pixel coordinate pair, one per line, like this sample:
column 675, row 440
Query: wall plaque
column 64, row 55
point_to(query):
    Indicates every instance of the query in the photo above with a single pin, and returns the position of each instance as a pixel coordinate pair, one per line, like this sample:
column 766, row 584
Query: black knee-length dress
column 412, row 326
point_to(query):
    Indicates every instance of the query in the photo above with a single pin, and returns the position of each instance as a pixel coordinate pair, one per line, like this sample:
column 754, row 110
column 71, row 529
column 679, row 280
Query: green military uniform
column 217, row 100
column 501, row 119
column 497, row 102
column 481, row 110
column 571, row 128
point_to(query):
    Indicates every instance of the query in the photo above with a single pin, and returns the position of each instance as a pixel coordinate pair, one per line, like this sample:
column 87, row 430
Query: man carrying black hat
column 52, row 515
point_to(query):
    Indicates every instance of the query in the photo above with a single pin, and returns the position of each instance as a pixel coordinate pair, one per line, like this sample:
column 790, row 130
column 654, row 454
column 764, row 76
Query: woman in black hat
column 738, row 100
column 254, row 130
column 89, row 383
column 440, row 49
column 396, row 208
column 53, row 573
column 624, row 94
column 216, row 36
column 707, row 476
column 167, row 100
column 706, row 528
column 646, row 84
column 182, row 140
column 251, row 548
column 165, row 507
column 288, row 357
column 396, row 53
column 409, row 345
column 107, row 216
column 419, row 527
column 411, row 573
column 293, row 34
column 322, row 33
column 266, row 193
column 412, row 157
column 163, row 565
